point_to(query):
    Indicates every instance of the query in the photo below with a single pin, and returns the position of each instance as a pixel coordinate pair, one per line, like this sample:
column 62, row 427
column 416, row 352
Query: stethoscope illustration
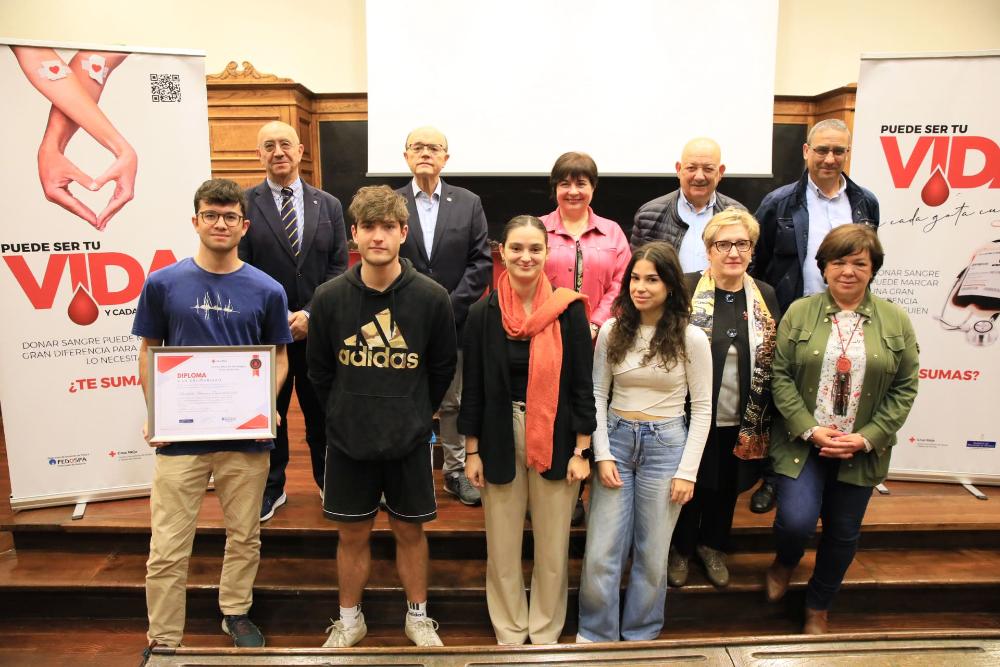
column 980, row 326
column 979, row 332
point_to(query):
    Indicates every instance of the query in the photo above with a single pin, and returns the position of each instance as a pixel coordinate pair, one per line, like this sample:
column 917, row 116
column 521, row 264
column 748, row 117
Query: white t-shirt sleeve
column 698, row 370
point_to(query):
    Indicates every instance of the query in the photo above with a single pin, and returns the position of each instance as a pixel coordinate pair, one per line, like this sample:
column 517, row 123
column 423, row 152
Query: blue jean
column 638, row 517
column 816, row 494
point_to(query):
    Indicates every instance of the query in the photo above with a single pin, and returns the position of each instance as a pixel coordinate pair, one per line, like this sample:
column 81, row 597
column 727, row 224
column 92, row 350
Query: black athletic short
column 352, row 488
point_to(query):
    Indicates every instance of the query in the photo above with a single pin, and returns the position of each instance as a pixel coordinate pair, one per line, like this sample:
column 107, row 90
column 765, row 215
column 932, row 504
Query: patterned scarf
column 544, row 360
column 755, row 426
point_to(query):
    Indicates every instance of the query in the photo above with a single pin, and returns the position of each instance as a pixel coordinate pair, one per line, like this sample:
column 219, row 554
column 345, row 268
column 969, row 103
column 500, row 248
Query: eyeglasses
column 212, row 217
column 742, row 246
column 433, row 149
column 823, row 151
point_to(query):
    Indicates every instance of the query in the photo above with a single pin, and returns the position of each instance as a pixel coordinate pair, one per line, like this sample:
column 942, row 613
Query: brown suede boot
column 776, row 580
column 816, row 622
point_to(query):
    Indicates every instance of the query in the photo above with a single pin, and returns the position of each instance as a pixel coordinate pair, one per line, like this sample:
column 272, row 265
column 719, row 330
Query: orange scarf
column 544, row 362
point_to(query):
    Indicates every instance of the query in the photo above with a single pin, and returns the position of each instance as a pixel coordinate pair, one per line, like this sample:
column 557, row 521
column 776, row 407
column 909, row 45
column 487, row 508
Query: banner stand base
column 79, row 499
column 974, row 491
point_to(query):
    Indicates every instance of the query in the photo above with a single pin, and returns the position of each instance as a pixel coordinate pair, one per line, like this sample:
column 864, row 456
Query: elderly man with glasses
column 296, row 236
column 447, row 242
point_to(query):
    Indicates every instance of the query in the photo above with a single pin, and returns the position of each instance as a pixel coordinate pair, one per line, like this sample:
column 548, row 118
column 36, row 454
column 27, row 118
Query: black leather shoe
column 762, row 500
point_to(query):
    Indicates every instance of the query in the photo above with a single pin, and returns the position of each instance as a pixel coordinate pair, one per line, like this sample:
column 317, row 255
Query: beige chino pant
column 551, row 504
column 179, row 484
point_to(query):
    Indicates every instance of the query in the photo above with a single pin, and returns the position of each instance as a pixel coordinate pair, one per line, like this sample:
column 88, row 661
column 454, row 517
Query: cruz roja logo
column 379, row 344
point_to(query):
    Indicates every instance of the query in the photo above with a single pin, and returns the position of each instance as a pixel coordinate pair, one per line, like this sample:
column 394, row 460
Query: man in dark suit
column 297, row 237
column 447, row 242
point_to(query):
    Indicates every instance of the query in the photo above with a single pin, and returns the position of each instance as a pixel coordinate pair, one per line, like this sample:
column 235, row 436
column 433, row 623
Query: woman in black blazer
column 527, row 414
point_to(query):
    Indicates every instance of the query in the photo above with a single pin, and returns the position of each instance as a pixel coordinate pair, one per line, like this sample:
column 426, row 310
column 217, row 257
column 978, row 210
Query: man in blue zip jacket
column 795, row 218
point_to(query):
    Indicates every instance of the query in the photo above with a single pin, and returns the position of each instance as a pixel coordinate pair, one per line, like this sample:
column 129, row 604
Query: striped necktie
column 290, row 220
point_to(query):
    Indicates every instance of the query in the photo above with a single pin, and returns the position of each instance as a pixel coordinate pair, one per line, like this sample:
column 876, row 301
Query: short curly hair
column 220, row 191
column 378, row 203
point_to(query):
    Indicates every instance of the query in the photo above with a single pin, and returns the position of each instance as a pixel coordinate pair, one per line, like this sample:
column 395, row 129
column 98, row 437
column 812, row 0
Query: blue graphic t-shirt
column 183, row 304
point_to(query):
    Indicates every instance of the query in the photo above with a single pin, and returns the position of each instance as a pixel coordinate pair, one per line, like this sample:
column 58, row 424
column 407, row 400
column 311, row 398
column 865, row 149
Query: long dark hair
column 667, row 342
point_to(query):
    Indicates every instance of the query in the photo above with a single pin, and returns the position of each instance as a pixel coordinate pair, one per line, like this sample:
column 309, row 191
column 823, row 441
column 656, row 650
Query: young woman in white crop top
column 648, row 360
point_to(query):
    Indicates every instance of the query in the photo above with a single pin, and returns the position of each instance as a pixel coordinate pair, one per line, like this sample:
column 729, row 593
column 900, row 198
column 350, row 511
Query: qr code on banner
column 165, row 87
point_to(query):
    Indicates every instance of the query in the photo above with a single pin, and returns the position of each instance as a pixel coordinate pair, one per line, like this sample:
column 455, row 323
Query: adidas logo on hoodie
column 379, row 344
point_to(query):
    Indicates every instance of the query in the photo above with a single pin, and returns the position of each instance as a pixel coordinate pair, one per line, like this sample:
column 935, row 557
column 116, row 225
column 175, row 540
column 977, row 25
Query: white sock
column 350, row 616
column 416, row 611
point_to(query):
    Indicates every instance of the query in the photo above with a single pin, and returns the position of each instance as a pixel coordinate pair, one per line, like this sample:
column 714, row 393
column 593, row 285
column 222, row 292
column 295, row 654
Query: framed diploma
column 211, row 393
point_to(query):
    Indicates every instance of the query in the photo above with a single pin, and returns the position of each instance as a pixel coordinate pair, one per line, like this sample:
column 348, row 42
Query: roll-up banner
column 926, row 135
column 104, row 147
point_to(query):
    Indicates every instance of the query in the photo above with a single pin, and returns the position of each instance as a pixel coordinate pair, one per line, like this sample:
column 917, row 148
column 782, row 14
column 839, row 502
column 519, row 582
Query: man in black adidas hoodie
column 381, row 354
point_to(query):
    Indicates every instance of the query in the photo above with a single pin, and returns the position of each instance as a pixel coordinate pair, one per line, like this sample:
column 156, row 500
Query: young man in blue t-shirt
column 212, row 298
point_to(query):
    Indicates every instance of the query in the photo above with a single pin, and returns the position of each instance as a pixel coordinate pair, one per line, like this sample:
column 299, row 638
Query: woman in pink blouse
column 587, row 253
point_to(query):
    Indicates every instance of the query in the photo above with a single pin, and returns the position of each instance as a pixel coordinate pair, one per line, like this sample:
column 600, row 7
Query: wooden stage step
column 912, row 516
column 856, row 642
column 297, row 595
column 71, row 592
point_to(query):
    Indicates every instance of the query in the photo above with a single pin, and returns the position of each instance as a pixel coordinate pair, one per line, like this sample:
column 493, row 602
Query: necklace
column 842, row 378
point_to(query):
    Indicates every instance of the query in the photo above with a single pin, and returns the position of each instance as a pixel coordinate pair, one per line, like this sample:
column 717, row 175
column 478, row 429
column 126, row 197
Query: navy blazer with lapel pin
column 460, row 258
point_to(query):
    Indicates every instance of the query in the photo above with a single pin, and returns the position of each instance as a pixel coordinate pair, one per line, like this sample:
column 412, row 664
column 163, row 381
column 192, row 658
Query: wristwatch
column 585, row 453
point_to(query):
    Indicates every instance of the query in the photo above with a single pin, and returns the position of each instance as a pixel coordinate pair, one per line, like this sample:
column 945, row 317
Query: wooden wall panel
column 240, row 100
column 799, row 110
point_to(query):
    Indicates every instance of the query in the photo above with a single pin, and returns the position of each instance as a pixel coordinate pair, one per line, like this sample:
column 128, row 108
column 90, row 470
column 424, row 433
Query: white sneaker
column 341, row 637
column 423, row 632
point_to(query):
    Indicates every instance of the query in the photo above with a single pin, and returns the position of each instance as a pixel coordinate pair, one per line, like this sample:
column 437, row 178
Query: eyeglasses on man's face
column 823, row 151
column 433, row 149
column 212, row 217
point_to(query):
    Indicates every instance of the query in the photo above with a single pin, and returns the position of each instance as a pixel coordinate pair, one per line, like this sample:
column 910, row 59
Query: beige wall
column 819, row 43
column 322, row 48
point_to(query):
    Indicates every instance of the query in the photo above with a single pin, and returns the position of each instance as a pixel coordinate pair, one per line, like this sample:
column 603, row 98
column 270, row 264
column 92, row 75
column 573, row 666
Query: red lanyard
column 843, row 363
column 842, row 380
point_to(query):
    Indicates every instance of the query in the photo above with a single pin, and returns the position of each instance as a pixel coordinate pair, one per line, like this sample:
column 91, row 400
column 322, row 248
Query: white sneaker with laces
column 423, row 632
column 343, row 637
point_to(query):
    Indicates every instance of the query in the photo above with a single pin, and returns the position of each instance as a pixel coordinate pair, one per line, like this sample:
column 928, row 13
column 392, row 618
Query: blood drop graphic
column 936, row 191
column 82, row 307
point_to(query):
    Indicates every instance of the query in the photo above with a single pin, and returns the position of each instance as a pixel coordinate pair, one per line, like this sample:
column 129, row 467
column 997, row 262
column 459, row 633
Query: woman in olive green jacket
column 844, row 380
